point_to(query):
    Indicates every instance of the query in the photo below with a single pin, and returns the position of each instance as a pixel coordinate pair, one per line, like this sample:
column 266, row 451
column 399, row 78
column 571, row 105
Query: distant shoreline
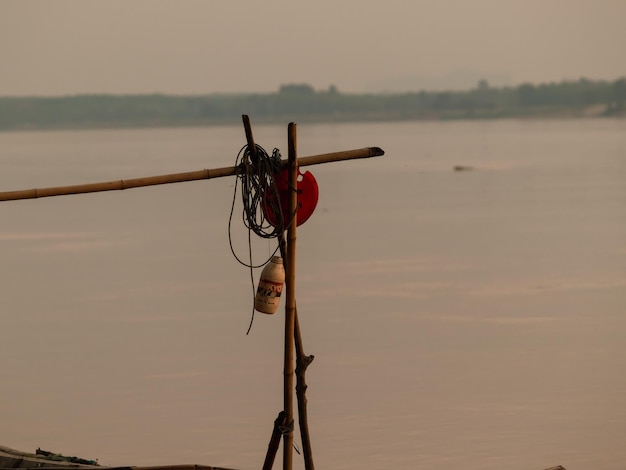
column 301, row 103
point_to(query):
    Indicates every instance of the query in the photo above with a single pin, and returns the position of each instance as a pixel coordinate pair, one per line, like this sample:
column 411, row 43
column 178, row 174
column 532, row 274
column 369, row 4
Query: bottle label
column 269, row 290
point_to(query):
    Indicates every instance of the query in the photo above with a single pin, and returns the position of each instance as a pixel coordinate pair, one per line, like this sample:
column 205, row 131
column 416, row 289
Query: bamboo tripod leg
column 272, row 447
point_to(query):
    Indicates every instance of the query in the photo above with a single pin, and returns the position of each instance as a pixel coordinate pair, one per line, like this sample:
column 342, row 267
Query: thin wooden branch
column 366, row 152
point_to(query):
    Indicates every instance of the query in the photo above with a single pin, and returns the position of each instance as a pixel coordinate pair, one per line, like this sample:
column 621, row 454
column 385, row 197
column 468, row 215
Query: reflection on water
column 468, row 319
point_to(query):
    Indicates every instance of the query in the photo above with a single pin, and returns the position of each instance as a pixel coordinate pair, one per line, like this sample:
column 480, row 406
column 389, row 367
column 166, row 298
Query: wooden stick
column 290, row 307
column 272, row 447
column 302, row 362
column 251, row 145
column 366, row 152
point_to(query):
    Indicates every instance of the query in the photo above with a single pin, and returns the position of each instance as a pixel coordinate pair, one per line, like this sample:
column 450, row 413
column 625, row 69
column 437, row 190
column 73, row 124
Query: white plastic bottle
column 270, row 286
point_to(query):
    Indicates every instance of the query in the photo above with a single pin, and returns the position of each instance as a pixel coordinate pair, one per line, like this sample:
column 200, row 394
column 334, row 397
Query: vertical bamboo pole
column 302, row 362
column 290, row 308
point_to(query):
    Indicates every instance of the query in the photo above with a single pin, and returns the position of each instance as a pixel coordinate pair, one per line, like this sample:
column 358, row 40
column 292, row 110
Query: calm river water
column 472, row 320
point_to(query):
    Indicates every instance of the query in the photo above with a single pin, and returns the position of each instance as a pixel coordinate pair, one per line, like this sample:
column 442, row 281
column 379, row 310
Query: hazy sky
column 193, row 46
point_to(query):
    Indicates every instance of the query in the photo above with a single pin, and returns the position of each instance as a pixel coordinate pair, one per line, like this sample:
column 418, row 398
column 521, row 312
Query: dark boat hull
column 11, row 459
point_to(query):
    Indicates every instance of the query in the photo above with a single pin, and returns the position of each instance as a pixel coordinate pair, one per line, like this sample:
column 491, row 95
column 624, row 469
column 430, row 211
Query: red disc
column 308, row 193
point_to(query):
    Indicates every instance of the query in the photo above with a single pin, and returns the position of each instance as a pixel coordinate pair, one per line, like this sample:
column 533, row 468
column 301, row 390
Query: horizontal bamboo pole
column 366, row 152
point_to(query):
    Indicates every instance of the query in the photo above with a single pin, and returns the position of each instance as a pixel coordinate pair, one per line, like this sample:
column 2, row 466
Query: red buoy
column 308, row 194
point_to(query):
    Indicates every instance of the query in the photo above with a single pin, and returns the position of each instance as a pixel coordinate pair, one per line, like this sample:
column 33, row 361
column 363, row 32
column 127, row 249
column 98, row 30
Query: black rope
column 286, row 428
column 258, row 187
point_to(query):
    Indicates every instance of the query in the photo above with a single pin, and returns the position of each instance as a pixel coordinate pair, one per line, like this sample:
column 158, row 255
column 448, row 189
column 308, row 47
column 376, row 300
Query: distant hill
column 300, row 102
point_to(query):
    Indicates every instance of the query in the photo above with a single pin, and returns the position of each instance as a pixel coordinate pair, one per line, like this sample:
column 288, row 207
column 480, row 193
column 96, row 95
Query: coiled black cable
column 258, row 189
column 256, row 176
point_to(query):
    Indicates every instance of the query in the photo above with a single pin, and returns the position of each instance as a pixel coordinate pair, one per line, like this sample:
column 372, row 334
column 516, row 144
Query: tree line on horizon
column 302, row 102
